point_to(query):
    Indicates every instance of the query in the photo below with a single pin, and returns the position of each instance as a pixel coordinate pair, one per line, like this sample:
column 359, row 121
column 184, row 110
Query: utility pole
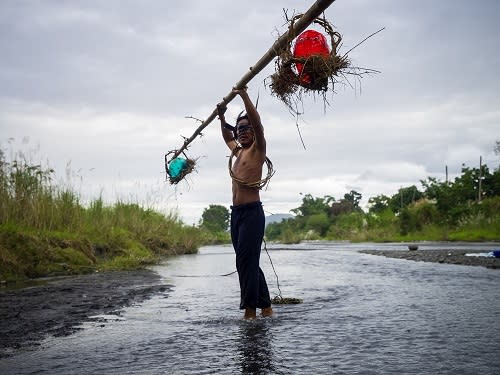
column 401, row 196
column 480, row 167
column 446, row 169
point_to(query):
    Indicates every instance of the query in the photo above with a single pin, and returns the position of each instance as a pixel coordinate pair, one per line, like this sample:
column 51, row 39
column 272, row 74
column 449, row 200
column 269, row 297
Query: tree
column 466, row 187
column 454, row 199
column 378, row 203
column 404, row 198
column 318, row 223
column 311, row 205
column 286, row 231
column 273, row 230
column 215, row 218
column 491, row 184
column 354, row 197
column 341, row 208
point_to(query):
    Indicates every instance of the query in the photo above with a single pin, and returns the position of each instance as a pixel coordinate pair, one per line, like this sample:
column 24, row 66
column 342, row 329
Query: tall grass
column 45, row 229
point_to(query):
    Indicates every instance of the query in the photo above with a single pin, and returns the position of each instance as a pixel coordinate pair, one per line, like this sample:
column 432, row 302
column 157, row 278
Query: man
column 247, row 214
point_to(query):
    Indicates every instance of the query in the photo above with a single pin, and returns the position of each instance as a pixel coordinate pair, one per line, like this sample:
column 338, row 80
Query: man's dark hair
column 241, row 116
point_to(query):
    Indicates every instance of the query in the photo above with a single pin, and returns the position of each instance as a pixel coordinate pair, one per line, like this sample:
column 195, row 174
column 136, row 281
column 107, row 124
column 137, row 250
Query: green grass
column 470, row 230
column 46, row 231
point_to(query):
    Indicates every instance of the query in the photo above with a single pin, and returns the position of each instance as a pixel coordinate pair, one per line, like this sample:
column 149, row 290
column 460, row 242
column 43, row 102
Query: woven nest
column 188, row 168
column 323, row 71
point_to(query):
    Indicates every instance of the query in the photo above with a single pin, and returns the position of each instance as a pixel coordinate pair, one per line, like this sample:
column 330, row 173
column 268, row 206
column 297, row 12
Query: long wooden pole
column 307, row 18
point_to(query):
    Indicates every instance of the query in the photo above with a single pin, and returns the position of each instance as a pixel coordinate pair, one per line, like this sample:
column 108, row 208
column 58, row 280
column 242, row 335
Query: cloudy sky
column 100, row 91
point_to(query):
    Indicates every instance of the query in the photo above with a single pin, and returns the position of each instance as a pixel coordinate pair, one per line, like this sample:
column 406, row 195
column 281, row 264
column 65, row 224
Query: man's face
column 244, row 131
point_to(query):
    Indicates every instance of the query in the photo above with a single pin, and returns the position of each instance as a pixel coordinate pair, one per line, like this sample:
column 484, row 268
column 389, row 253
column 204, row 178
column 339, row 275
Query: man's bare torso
column 248, row 168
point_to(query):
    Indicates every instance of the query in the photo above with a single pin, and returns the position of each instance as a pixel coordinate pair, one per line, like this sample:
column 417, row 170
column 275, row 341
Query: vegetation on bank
column 45, row 230
column 466, row 209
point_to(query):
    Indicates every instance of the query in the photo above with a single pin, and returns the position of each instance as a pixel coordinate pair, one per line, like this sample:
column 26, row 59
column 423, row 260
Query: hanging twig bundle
column 177, row 168
column 315, row 73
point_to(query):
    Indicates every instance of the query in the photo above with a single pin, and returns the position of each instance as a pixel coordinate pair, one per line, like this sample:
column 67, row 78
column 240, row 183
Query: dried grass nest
column 188, row 168
column 324, row 72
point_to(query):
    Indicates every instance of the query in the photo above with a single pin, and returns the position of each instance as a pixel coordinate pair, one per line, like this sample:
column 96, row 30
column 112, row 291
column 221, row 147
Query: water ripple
column 361, row 314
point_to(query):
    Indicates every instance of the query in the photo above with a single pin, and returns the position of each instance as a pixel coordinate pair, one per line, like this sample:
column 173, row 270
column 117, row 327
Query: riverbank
column 447, row 256
column 57, row 306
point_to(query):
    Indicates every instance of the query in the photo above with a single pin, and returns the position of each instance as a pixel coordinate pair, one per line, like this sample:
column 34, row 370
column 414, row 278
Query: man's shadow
column 254, row 349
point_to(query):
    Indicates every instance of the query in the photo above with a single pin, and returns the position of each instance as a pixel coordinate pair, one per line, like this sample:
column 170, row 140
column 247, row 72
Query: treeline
column 45, row 230
column 466, row 209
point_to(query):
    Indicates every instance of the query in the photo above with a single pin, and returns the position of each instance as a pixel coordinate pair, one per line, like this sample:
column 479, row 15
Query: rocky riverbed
column 448, row 256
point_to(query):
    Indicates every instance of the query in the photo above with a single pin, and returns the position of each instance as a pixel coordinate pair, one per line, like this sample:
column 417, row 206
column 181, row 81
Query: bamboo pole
column 307, row 18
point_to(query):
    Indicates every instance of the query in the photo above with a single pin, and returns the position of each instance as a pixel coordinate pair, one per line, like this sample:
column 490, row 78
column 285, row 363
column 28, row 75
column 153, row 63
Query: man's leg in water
column 267, row 311
column 247, row 233
column 264, row 298
column 250, row 313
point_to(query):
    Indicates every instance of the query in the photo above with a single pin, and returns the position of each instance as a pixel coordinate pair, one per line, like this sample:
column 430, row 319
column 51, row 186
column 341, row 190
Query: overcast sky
column 100, row 91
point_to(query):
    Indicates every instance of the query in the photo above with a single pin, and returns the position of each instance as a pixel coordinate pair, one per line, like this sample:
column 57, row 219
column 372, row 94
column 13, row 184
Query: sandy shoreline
column 57, row 307
column 446, row 256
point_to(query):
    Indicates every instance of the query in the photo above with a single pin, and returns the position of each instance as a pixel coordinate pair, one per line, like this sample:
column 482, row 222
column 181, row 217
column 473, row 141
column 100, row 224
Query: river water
column 361, row 314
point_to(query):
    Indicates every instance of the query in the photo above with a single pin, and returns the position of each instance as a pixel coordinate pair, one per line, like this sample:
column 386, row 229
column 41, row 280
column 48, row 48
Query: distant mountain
column 276, row 218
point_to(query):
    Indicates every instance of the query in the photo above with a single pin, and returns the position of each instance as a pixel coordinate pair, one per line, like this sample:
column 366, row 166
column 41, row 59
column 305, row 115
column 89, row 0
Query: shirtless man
column 247, row 214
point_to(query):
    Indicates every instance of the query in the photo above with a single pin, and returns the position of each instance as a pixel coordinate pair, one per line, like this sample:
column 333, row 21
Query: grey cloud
column 106, row 85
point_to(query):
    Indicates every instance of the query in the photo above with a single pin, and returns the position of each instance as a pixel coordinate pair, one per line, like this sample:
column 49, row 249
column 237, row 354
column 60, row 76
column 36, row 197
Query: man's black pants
column 247, row 231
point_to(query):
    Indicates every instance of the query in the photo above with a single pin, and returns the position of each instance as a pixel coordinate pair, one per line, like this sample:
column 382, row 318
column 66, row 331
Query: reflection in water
column 254, row 347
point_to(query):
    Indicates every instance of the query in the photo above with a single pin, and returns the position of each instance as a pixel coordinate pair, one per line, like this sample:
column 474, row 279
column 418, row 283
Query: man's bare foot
column 267, row 311
column 250, row 313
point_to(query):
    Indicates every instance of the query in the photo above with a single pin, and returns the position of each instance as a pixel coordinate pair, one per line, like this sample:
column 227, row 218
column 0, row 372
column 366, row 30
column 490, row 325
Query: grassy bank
column 390, row 233
column 481, row 222
column 46, row 231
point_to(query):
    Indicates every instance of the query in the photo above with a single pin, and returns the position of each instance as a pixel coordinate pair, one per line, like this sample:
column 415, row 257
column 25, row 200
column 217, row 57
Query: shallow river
column 362, row 314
